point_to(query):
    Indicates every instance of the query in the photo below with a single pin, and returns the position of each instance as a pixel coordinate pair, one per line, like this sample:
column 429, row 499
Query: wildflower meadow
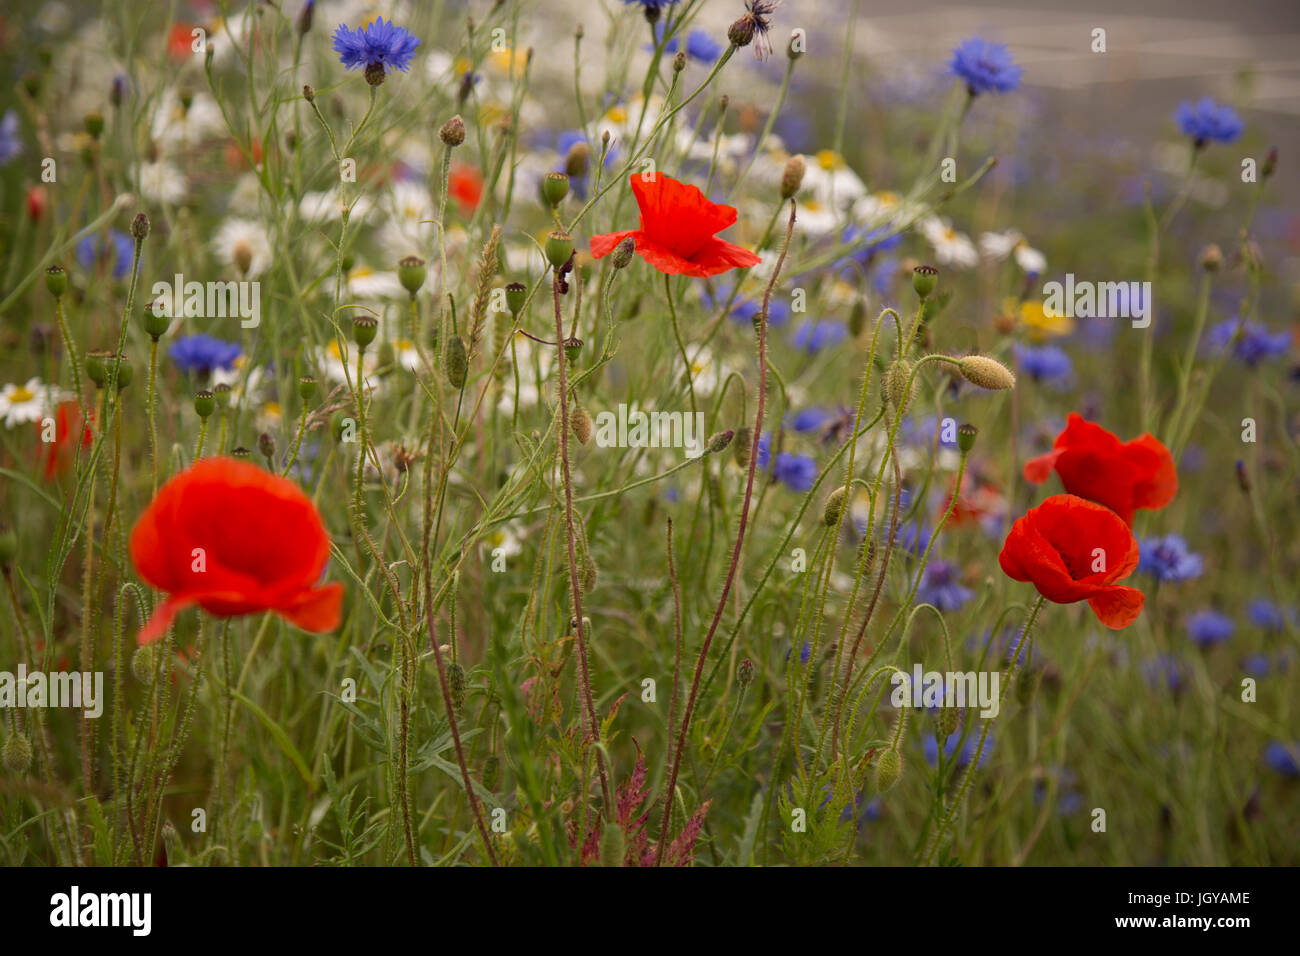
column 649, row 433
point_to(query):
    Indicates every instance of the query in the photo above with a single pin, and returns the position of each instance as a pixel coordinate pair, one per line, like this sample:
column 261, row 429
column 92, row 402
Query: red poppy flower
column 465, row 185
column 1075, row 550
column 677, row 234
column 56, row 454
column 1094, row 464
column 234, row 539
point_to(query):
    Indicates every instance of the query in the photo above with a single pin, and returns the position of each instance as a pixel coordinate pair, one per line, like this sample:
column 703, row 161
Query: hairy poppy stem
column 670, row 790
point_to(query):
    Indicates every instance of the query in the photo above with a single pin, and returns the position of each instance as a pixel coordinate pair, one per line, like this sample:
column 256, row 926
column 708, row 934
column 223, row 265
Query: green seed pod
column 364, row 330
column 17, row 754
column 889, row 768
column 587, row 575
column 124, row 370
column 457, row 362
column 56, row 280
column 613, row 845
column 949, row 719
column 457, row 683
column 966, row 437
column 8, row 546
column 204, row 403
column 96, row 369
column 924, row 279
column 559, row 247
column 516, row 296
column 155, row 322
column 554, row 188
column 142, row 664
column 241, row 452
column 412, row 272
column 221, row 393
column 897, row 385
column 572, row 349
column 306, row 388
column 833, row 509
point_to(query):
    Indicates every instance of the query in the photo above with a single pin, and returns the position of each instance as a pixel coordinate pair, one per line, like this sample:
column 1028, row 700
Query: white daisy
column 241, row 244
column 29, row 402
column 161, row 182
column 950, row 246
column 174, row 125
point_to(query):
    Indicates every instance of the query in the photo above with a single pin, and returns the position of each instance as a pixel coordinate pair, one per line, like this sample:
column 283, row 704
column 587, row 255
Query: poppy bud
column 155, row 322
column 745, row 672
column 897, row 385
column 580, row 422
column 720, row 441
column 308, row 93
column 559, row 247
column 221, row 393
column 949, row 718
column 833, row 510
column 56, row 280
column 306, row 388
column 266, row 445
column 411, row 272
column 679, row 61
column 986, row 373
column 741, row 33
column 1211, row 258
column 142, row 664
column 124, row 371
column 554, row 188
column 889, row 767
column 743, row 445
column 456, row 684
column 792, row 178
column 621, row 257
column 140, row 227
column 337, row 421
column 572, row 349
column 577, row 159
column 17, row 754
column 924, row 279
column 8, row 546
column 613, row 845
column 204, row 403
column 966, row 437
column 587, row 575
column 516, row 296
column 857, row 318
column 457, row 362
column 453, row 131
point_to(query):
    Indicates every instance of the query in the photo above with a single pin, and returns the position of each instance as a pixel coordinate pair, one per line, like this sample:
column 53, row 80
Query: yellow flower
column 829, row 160
column 1037, row 323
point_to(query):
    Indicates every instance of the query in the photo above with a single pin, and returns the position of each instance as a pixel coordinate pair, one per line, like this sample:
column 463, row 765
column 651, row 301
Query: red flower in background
column 677, row 234
column 1075, row 550
column 1094, row 464
column 465, row 185
column 234, row 539
column 56, row 454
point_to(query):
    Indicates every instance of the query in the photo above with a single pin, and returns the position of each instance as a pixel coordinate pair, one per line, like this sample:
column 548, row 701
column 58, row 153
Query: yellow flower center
column 21, row 394
column 828, row 159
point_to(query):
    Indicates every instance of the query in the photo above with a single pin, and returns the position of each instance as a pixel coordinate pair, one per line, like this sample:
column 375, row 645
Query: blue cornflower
column 1282, row 759
column 805, row 652
column 809, row 419
column 652, row 8
column 931, row 747
column 1257, row 664
column 1206, row 120
column 875, row 241
column 10, row 145
column 778, row 311
column 1167, row 559
column 699, row 44
column 1165, row 670
column 813, row 336
column 382, row 44
column 1207, row 628
column 1256, row 343
column 1268, row 616
column 939, row 586
column 203, row 353
column 796, row 472
column 985, row 67
column 1045, row 363
column 118, row 250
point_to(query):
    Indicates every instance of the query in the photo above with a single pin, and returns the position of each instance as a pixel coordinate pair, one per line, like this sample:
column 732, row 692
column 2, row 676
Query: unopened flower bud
column 1211, row 258
column 986, row 373
column 720, row 441
column 745, row 672
column 612, row 845
column 743, row 445
column 266, row 446
column 457, row 362
column 580, row 422
column 897, row 385
column 833, row 509
column 1270, row 163
column 621, row 257
column 452, row 132
column 140, row 227
column 308, row 93
column 142, row 664
column 889, row 767
column 577, row 159
column 792, row 177
column 457, row 684
column 17, row 754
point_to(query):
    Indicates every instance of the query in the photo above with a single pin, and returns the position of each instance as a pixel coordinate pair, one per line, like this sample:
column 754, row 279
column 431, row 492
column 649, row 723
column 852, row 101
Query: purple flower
column 778, row 311
column 1167, row 671
column 939, row 586
column 809, row 419
column 10, row 145
column 813, row 336
column 931, row 747
column 1167, row 559
column 203, row 353
column 1268, row 616
column 699, row 44
column 796, row 472
column 1205, row 121
column 985, row 67
column 1045, row 363
column 1256, row 343
column 1207, row 628
column 385, row 44
column 1282, row 759
column 118, row 250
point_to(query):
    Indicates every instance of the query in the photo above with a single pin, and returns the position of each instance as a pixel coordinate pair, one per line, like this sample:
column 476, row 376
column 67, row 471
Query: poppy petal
column 602, row 246
column 1038, row 470
column 1117, row 607
column 317, row 610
